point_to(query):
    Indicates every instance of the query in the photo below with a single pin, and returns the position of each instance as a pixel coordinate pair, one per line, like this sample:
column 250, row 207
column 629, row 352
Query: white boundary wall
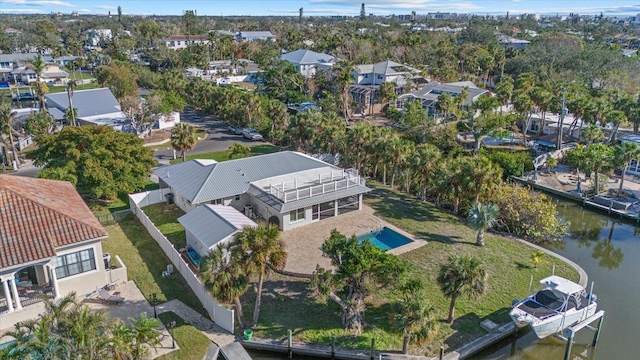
column 222, row 316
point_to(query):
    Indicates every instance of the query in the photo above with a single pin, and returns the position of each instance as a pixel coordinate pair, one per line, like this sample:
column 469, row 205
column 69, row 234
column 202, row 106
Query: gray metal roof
column 282, row 207
column 432, row 91
column 88, row 102
column 201, row 183
column 385, row 67
column 306, row 57
column 210, row 225
column 22, row 57
column 255, row 34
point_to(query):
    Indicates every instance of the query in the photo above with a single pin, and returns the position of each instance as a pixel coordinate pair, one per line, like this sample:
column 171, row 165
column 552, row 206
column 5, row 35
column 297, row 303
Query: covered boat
column 559, row 304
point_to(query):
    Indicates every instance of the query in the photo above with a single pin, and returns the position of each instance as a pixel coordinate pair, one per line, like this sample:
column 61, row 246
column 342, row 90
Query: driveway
column 218, row 137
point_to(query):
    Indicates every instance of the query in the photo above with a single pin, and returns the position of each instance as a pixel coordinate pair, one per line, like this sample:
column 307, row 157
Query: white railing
column 222, row 316
column 316, row 190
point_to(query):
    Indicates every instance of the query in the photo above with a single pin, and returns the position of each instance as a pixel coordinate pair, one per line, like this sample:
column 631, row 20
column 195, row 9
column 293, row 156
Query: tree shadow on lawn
column 289, row 304
column 155, row 261
column 468, row 327
column 394, row 206
column 521, row 266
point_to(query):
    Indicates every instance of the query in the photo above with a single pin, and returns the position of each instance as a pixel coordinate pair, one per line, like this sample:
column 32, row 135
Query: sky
column 322, row 7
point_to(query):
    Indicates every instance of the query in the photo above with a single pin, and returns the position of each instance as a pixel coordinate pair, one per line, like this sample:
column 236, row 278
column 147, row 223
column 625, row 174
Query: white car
column 251, row 134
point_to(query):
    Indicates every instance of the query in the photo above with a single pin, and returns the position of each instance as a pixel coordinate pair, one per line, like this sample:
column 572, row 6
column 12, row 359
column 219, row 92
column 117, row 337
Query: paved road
column 218, row 137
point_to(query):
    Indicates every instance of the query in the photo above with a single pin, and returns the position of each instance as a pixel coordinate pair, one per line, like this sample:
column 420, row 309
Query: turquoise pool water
column 385, row 239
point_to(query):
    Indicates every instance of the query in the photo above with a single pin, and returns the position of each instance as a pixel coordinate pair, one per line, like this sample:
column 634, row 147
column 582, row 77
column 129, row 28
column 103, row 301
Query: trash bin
column 248, row 334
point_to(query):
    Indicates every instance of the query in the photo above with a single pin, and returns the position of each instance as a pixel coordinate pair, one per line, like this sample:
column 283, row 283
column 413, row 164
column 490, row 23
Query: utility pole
column 561, row 121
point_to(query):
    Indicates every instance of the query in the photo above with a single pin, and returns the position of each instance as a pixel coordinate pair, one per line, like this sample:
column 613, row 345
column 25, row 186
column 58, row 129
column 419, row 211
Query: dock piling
column 333, row 347
column 373, row 349
column 596, row 334
column 441, row 352
column 289, row 344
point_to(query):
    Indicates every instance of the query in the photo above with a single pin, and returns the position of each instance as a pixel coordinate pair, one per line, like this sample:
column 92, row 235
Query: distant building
column 255, row 35
column 428, row 95
column 52, row 74
column 94, row 36
column 177, row 42
column 508, row 41
column 307, row 61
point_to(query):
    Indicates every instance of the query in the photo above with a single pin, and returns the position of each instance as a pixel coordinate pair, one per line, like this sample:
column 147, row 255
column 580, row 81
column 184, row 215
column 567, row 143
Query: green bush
column 511, row 162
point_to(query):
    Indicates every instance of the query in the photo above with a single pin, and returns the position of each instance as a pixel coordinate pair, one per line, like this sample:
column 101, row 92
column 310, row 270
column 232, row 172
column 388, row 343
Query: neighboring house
column 307, row 61
column 64, row 60
column 177, row 42
column 95, row 36
column 94, row 107
column 255, row 35
column 634, row 165
column 50, row 246
column 368, row 78
column 508, row 41
column 549, row 125
column 51, row 74
column 428, row 95
column 10, row 62
column 286, row 188
column 211, row 225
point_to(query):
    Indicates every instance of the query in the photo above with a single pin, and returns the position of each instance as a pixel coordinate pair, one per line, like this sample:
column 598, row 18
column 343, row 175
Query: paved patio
column 303, row 244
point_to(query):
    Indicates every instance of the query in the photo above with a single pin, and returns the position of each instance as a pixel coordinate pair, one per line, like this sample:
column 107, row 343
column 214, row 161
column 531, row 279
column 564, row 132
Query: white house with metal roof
column 211, row 225
column 429, row 94
column 94, row 106
column 307, row 61
column 255, row 35
column 287, row 188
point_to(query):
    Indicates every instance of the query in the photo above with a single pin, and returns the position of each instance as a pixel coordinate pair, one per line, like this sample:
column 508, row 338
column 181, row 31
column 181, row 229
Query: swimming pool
column 385, row 239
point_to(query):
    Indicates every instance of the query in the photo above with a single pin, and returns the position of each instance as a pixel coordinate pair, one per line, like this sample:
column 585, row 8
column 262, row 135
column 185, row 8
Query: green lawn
column 63, row 88
column 103, row 207
column 77, row 75
column 193, row 344
column 287, row 303
column 145, row 262
column 165, row 216
column 224, row 155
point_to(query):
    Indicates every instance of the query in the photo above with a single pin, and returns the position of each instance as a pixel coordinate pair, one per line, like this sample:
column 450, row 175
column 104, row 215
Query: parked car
column 236, row 130
column 251, row 134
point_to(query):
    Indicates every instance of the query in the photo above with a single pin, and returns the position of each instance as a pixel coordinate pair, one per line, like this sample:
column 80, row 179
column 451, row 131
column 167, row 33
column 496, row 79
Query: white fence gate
column 222, row 316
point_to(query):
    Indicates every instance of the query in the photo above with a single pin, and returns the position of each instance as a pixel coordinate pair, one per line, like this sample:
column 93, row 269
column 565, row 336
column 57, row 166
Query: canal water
column 609, row 251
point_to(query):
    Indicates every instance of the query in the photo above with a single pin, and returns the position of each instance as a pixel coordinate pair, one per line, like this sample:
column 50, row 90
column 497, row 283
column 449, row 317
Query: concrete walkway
column 206, row 326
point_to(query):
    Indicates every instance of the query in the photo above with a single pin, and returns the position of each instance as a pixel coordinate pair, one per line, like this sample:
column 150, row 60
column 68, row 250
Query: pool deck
column 303, row 244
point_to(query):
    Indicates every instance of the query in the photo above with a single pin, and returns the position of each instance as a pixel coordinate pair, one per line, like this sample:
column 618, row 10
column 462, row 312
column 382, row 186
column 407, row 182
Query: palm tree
column 462, row 275
column 344, row 79
column 70, row 87
column 224, row 276
column 183, row 138
column 424, row 161
column 262, row 249
column 143, row 334
column 239, row 149
column 416, row 319
column 8, row 118
column 551, row 163
column 483, row 217
column 537, row 257
column 623, row 154
column 38, row 65
column 592, row 134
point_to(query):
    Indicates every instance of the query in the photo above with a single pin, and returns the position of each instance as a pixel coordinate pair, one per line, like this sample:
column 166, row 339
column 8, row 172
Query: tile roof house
column 50, row 245
column 94, row 106
column 307, row 61
column 286, row 188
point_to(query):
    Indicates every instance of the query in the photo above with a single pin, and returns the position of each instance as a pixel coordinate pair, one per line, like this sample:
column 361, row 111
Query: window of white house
column 296, row 215
column 75, row 263
column 237, row 197
column 178, row 42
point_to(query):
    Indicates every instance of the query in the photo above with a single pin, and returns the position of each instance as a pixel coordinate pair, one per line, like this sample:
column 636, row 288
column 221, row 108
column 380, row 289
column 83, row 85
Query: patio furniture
column 105, row 296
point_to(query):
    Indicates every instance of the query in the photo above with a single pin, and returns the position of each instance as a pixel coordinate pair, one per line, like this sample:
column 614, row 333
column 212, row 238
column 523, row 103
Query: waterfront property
column 287, row 188
column 50, row 246
column 385, row 238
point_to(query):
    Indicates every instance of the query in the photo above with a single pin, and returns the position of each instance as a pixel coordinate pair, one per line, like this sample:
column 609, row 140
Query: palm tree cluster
column 69, row 330
column 228, row 269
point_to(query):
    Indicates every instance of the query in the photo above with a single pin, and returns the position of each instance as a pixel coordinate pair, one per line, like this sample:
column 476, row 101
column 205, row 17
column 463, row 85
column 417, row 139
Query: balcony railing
column 327, row 183
column 31, row 297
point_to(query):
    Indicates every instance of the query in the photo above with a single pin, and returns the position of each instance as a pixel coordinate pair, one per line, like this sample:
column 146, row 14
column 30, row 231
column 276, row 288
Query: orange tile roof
column 37, row 216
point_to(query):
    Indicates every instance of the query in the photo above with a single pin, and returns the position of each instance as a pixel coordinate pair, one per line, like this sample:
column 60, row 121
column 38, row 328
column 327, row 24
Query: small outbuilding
column 210, row 225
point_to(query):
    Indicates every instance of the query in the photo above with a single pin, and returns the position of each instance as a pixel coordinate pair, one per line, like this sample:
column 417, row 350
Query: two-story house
column 307, row 61
column 255, row 35
column 177, row 42
column 10, row 62
column 50, row 246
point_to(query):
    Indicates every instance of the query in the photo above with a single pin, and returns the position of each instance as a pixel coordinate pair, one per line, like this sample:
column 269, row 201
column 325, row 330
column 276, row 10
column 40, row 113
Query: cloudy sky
column 322, row 7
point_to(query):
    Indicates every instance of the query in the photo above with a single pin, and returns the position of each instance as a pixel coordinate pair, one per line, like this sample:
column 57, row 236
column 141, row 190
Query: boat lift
column 571, row 331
